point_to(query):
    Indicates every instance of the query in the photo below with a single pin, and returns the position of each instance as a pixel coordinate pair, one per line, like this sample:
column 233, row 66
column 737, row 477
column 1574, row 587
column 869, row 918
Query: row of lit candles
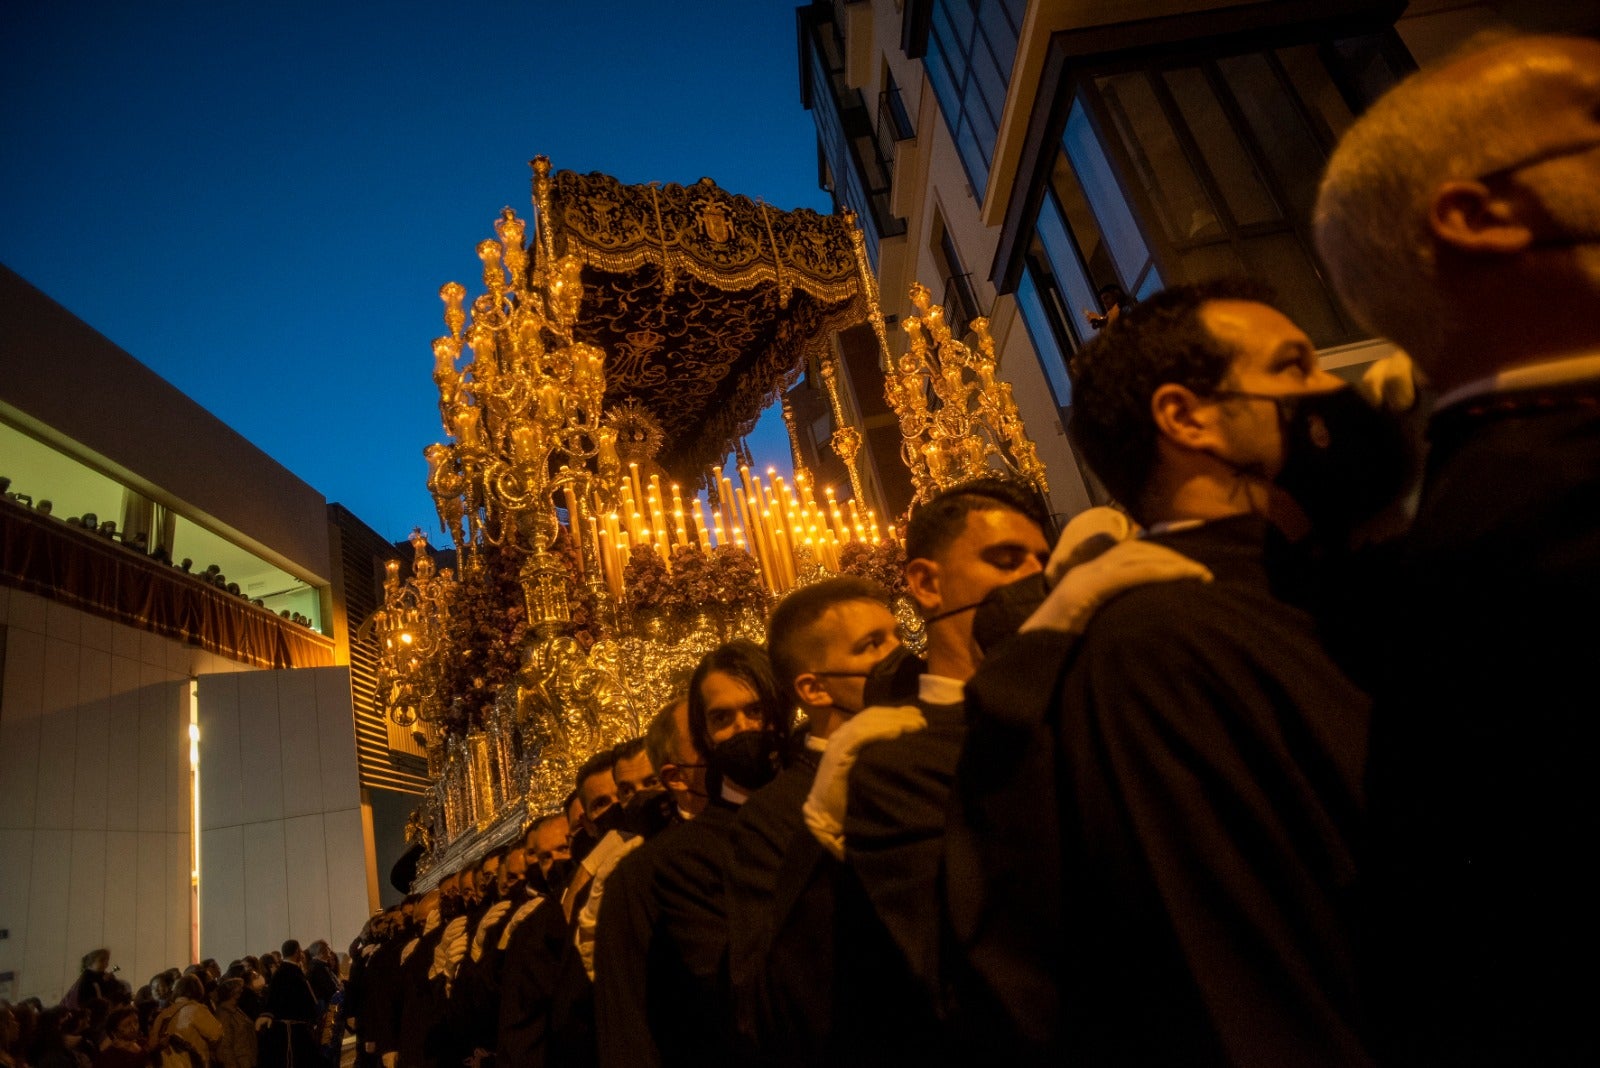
column 770, row 521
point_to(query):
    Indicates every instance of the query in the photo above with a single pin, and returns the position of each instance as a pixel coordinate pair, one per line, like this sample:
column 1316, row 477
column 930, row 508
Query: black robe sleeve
column 622, row 953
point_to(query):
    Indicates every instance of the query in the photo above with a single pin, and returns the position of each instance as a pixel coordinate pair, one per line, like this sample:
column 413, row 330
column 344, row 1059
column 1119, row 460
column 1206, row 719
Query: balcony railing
column 960, row 303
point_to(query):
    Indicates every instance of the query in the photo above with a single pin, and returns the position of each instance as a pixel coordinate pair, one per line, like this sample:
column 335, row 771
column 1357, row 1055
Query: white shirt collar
column 1561, row 371
column 939, row 690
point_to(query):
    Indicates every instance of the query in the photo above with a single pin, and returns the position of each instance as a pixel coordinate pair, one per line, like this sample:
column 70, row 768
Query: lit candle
column 573, row 525
column 633, row 476
column 700, row 526
column 784, row 557
column 716, row 524
column 608, row 553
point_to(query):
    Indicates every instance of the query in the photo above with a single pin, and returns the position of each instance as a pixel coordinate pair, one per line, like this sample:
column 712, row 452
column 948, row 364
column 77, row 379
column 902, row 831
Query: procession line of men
column 1213, row 778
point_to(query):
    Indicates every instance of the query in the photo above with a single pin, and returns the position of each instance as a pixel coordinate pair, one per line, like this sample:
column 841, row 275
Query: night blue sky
column 260, row 200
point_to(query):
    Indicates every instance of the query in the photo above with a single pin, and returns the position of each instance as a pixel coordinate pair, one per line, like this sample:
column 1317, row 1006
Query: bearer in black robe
column 792, row 1001
column 737, row 718
column 533, row 945
column 889, row 825
column 1198, row 817
column 1482, row 790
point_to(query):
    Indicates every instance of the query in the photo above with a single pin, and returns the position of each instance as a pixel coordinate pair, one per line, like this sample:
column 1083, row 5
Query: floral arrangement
column 646, row 585
column 884, row 564
column 484, row 634
column 725, row 578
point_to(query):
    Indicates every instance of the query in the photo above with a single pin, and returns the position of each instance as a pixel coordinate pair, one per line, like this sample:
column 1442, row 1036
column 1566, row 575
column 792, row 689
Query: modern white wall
column 282, row 853
column 94, row 794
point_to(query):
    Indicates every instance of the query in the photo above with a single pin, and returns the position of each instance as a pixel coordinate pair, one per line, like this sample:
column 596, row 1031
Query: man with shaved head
column 1461, row 218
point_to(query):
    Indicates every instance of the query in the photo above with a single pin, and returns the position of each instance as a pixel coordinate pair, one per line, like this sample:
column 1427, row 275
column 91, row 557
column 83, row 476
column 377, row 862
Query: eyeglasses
column 1554, row 152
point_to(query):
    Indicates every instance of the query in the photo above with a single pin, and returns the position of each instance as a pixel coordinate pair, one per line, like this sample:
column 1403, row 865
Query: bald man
column 1461, row 218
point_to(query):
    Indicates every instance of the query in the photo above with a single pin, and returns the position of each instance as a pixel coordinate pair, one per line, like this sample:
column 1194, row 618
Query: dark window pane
column 1185, row 210
column 1077, row 290
column 1105, row 197
column 1151, row 285
column 957, row 16
column 1232, row 172
column 1207, row 261
column 943, row 82
column 1366, row 66
column 989, row 79
column 997, row 26
column 1037, row 320
column 1080, row 220
column 1294, row 155
column 1325, row 105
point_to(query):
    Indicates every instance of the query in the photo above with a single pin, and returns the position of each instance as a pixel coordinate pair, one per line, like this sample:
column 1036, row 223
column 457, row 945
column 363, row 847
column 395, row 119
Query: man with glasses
column 1460, row 217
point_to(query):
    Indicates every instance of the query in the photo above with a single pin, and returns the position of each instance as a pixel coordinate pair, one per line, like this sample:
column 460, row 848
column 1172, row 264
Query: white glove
column 613, row 847
column 1084, row 588
column 1390, row 383
column 830, row 791
column 1089, row 525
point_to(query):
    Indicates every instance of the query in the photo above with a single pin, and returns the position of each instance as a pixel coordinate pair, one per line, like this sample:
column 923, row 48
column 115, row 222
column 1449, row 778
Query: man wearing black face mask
column 1197, row 829
column 888, row 826
column 792, row 994
column 735, row 717
column 627, row 961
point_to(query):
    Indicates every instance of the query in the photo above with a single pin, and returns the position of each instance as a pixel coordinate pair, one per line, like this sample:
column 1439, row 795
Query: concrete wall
column 282, row 853
column 94, row 794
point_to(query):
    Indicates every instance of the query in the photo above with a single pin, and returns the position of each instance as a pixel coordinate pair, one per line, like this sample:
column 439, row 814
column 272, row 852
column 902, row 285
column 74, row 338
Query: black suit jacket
column 1484, row 797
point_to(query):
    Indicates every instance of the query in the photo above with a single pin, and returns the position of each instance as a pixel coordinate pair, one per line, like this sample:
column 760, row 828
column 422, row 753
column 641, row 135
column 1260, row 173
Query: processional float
column 612, row 362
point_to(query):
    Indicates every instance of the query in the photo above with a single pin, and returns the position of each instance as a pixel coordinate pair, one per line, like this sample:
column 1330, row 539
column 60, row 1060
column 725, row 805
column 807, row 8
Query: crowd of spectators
column 247, row 1016
column 107, row 528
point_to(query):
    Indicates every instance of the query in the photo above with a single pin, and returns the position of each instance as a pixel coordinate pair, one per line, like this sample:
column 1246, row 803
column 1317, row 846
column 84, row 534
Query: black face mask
column 749, row 759
column 649, row 812
column 1344, row 461
column 608, row 821
column 893, row 680
column 1006, row 608
column 582, row 842
column 553, row 882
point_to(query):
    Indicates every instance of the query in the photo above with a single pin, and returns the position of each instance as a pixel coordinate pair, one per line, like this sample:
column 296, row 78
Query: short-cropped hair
column 791, row 639
column 939, row 520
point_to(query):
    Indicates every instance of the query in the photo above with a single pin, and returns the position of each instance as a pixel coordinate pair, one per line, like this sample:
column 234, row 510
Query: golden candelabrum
column 957, row 421
column 411, row 638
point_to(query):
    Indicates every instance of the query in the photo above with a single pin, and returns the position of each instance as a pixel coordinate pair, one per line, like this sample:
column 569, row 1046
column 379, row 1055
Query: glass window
column 1040, row 332
column 1106, row 199
column 1223, row 154
column 1193, row 167
column 1181, row 202
column 1077, row 290
column 1272, row 110
column 972, row 45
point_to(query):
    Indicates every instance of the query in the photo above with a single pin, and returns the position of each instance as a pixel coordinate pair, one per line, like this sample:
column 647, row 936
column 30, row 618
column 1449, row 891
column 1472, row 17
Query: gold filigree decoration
column 956, row 420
